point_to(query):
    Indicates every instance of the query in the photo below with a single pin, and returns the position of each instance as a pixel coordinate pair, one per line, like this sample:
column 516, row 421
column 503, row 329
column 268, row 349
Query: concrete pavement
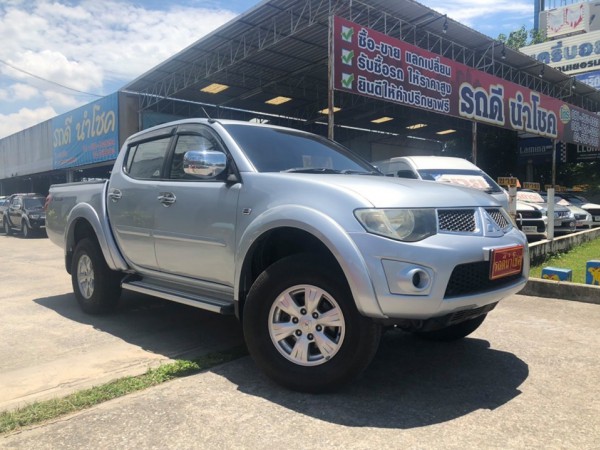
column 527, row 378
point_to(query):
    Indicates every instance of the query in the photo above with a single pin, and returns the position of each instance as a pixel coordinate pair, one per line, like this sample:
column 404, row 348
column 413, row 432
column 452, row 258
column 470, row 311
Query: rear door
column 133, row 198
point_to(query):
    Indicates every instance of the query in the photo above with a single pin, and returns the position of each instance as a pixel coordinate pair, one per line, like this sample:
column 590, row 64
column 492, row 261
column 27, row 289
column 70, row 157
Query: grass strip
column 575, row 259
column 51, row 409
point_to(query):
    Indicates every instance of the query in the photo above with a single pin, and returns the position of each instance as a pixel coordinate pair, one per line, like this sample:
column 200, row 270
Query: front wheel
column 302, row 327
column 25, row 230
column 97, row 287
column 453, row 332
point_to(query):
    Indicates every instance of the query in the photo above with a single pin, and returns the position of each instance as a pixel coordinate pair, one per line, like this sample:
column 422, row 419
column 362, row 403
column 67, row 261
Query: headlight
column 407, row 225
column 34, row 216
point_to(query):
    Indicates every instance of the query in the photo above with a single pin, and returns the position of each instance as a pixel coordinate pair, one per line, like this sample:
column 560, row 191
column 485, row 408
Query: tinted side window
column 405, row 173
column 146, row 160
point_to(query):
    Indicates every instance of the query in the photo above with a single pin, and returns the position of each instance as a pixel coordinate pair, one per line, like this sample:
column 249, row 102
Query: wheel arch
column 83, row 221
column 287, row 230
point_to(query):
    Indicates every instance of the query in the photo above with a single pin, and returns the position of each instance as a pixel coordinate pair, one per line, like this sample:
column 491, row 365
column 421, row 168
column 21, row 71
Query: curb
column 563, row 290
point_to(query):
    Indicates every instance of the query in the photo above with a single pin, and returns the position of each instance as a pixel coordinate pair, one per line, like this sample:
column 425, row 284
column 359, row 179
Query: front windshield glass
column 530, row 197
column 283, row 150
column 468, row 178
column 33, row 203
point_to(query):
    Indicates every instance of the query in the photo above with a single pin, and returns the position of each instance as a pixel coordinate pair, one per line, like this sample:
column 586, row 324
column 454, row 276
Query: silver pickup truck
column 311, row 247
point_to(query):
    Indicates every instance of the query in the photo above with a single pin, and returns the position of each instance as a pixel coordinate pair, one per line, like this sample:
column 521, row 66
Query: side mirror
column 204, row 164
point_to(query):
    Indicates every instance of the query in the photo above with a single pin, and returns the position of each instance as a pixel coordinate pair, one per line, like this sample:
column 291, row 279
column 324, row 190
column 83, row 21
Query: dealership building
column 383, row 78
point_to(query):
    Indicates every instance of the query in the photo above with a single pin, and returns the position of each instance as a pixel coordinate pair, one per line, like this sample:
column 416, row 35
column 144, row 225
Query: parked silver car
column 585, row 204
column 312, row 248
column 583, row 219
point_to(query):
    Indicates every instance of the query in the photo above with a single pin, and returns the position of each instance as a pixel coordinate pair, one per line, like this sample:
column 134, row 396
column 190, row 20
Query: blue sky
column 56, row 55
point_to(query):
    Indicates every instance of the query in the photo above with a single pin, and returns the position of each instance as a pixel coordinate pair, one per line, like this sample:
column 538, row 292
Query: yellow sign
column 508, row 181
column 557, row 188
column 531, row 185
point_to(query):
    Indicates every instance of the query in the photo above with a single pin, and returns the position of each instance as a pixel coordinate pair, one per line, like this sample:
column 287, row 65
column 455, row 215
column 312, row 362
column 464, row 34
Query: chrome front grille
column 457, row 220
column 498, row 217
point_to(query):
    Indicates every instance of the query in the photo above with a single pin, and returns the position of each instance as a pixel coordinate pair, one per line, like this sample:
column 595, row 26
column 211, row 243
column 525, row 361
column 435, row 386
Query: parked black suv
column 25, row 214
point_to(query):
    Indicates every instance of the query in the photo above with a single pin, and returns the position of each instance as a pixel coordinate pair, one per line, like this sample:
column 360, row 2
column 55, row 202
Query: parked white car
column 444, row 169
column 564, row 219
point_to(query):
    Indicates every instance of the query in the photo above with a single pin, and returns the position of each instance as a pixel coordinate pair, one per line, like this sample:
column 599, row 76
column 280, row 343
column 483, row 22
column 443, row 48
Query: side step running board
column 197, row 301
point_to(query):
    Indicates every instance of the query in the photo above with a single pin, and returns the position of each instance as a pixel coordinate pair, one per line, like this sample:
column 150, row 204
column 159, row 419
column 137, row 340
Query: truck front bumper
column 439, row 275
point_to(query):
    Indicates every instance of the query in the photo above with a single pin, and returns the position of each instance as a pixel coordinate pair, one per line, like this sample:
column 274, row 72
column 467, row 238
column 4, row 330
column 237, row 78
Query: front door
column 194, row 230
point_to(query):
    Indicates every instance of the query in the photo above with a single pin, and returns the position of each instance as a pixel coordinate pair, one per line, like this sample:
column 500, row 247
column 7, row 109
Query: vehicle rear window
column 34, row 202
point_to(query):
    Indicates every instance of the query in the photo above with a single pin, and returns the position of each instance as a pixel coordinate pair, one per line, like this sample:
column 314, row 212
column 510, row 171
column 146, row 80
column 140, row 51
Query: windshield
column 33, row 203
column 576, row 199
column 530, row 197
column 558, row 199
column 464, row 177
column 282, row 150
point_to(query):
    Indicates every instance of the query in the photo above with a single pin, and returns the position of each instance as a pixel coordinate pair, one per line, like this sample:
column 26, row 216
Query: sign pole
column 330, row 75
column 550, row 194
column 474, row 141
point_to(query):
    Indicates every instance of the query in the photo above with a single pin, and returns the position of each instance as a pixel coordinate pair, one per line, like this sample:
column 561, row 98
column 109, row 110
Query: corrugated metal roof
column 279, row 47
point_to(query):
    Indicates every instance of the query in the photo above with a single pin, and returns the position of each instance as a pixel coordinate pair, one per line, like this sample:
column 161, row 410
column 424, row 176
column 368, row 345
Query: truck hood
column 388, row 192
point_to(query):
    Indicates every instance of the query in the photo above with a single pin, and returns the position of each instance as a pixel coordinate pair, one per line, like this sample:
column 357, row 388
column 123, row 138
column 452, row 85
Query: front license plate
column 596, row 218
column 505, row 261
column 530, row 229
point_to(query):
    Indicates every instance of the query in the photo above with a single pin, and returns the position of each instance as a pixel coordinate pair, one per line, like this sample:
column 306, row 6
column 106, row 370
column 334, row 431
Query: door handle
column 115, row 195
column 167, row 198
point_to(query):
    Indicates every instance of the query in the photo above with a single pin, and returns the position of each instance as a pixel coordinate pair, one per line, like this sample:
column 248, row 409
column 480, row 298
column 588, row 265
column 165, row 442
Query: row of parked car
column 571, row 211
column 23, row 213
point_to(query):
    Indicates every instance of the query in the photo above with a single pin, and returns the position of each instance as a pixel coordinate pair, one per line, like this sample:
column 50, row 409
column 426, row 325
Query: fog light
column 406, row 278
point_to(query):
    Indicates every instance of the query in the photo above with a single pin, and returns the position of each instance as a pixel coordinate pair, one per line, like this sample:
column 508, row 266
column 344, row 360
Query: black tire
column 7, row 228
column 96, row 287
column 25, row 229
column 453, row 332
column 351, row 339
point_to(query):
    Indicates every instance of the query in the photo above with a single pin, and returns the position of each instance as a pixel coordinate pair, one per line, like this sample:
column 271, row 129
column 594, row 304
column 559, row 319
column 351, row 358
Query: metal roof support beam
column 239, row 49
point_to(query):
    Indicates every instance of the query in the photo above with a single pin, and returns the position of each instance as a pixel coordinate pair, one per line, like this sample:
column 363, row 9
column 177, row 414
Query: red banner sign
column 373, row 64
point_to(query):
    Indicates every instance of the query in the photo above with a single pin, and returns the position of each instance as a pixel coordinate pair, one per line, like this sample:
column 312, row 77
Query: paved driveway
column 527, row 378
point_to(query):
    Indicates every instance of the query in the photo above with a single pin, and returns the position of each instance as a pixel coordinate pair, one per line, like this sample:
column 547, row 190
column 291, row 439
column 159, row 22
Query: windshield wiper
column 360, row 172
column 311, row 170
column 328, row 170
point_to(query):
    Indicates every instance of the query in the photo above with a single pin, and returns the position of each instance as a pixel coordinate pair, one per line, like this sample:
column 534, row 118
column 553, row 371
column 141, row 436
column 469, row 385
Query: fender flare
column 330, row 233
column 101, row 228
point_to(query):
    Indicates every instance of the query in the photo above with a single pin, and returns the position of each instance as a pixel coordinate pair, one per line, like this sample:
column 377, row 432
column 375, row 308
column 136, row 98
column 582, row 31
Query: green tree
column 522, row 38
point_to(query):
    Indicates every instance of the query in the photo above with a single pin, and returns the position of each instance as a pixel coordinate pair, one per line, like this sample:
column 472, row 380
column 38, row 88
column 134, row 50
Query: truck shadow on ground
column 411, row 383
column 165, row 328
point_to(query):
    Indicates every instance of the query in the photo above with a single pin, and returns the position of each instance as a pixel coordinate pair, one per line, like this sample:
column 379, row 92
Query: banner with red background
column 373, row 64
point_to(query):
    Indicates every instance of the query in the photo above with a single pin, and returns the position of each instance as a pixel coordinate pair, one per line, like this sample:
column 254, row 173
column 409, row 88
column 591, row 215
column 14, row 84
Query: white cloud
column 24, row 118
column 23, row 91
column 88, row 46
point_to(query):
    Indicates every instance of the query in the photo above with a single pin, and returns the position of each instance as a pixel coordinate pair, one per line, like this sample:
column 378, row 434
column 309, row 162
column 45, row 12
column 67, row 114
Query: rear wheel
column 453, row 332
column 96, row 287
column 302, row 327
